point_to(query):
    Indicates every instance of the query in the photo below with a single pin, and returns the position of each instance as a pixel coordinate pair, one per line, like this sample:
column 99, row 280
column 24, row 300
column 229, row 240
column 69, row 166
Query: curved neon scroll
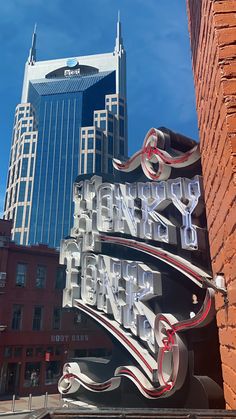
column 171, row 363
column 156, row 162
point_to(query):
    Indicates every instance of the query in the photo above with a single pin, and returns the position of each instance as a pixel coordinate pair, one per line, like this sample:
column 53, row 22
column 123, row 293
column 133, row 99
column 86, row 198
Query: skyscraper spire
column 32, row 53
column 119, row 47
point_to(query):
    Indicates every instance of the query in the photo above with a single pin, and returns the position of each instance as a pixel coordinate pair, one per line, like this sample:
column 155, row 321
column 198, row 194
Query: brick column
column 212, row 27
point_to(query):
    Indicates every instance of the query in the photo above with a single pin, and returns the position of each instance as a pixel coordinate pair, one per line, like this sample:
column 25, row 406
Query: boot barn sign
column 137, row 263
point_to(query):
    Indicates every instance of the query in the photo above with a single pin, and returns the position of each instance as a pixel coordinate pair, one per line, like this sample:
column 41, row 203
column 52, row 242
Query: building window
column 21, row 271
column 29, row 352
column 29, row 192
column 16, row 191
column 122, row 128
column 98, row 144
column 31, row 167
column 10, row 197
column 27, row 215
column 58, row 350
column 83, row 144
column 26, row 148
column 110, row 126
column 90, row 143
column 79, row 318
column 13, row 213
column 114, row 109
column 98, row 163
column 19, row 216
column 40, row 276
column 16, row 317
column 53, row 372
column 56, row 321
column 18, row 170
column 24, row 167
column 24, row 238
column 110, row 166
column 17, row 352
column 103, row 124
column 82, row 164
column 90, row 163
column 37, row 318
column 60, row 278
column 17, row 237
column 8, row 352
column 39, row 351
column 121, row 110
column 110, row 144
column 32, row 374
column 122, row 148
column 21, row 196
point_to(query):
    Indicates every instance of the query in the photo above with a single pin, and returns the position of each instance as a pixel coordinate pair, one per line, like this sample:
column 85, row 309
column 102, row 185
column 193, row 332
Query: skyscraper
column 71, row 120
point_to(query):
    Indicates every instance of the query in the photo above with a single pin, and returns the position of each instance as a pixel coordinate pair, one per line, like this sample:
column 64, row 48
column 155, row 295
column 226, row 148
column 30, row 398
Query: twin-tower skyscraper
column 72, row 120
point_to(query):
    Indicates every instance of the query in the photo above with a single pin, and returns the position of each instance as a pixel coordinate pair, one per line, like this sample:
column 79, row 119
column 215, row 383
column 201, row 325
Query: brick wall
column 212, row 27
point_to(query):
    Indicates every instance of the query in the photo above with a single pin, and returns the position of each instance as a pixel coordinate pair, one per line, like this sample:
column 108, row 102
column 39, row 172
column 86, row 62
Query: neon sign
column 136, row 209
column 120, row 258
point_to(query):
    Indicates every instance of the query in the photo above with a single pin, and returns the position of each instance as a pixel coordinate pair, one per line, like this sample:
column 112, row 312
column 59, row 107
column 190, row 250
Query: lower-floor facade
column 37, row 335
column 36, row 366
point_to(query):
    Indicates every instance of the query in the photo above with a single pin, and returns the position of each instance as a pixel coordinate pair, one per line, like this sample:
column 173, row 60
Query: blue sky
column 155, row 33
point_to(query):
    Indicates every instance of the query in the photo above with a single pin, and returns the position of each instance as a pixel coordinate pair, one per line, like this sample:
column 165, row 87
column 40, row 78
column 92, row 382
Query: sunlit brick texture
column 212, row 27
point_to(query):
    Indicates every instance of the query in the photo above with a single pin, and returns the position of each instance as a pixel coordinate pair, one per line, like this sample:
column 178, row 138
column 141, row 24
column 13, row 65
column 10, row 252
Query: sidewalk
column 22, row 403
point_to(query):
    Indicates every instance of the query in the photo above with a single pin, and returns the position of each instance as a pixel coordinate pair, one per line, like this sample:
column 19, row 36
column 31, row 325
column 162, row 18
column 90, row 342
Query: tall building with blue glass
column 72, row 120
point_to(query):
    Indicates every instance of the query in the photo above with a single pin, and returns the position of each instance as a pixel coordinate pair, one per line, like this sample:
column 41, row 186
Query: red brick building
column 212, row 26
column 37, row 336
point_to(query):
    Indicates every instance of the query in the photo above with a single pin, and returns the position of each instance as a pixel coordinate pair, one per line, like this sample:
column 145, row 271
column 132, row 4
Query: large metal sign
column 129, row 258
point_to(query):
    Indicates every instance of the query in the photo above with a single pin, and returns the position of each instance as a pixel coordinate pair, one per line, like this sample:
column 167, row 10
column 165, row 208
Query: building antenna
column 32, row 52
column 119, row 41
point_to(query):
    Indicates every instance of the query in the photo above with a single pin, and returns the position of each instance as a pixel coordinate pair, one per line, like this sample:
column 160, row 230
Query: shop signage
column 128, row 242
column 69, row 338
column 70, row 73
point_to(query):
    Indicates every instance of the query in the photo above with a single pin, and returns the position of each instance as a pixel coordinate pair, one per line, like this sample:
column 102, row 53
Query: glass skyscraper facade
column 71, row 120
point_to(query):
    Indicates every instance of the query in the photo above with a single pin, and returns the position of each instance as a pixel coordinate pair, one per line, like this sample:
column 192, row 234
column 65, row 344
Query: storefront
column 37, row 369
column 39, row 336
